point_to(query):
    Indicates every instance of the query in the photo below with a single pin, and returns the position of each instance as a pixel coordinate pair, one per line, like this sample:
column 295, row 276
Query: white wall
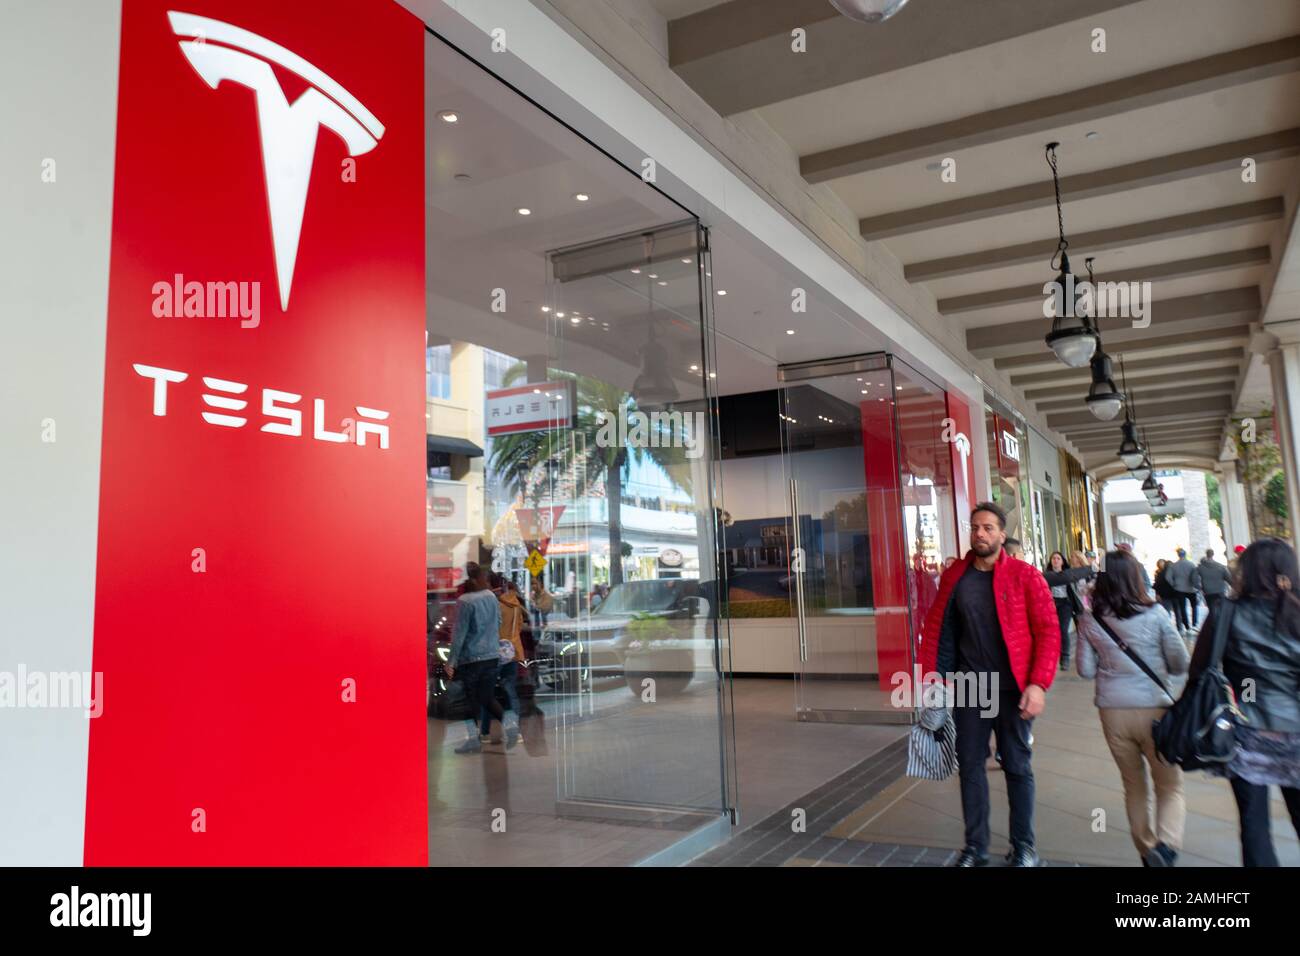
column 58, row 71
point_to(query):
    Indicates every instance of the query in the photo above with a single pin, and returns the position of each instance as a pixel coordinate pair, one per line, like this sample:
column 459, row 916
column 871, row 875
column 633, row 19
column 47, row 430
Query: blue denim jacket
column 477, row 630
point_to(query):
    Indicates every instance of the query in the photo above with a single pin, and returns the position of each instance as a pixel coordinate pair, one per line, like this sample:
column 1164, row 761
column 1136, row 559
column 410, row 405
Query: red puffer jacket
column 1026, row 613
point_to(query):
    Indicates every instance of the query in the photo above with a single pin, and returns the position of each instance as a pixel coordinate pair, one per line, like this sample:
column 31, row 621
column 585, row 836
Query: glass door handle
column 797, row 560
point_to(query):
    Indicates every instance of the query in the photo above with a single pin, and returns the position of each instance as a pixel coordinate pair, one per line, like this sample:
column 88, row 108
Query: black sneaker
column 1161, row 855
column 971, row 857
column 1022, row 856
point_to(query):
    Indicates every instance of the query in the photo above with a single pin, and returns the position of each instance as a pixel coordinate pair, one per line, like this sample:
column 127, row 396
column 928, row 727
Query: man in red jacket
column 994, row 619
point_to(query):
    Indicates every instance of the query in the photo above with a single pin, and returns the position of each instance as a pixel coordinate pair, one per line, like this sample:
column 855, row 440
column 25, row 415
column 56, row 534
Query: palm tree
column 527, row 463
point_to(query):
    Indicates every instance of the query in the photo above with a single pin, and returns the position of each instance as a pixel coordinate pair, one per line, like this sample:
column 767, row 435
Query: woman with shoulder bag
column 1064, row 581
column 1128, row 643
column 1260, row 657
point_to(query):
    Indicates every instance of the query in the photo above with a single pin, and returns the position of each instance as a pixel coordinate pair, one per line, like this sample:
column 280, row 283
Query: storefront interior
column 678, row 675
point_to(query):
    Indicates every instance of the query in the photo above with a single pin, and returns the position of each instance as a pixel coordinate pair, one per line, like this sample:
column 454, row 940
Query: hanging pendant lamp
column 1072, row 338
column 868, row 11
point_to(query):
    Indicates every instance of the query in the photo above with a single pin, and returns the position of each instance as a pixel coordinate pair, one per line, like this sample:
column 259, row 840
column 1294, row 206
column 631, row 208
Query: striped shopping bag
column 932, row 745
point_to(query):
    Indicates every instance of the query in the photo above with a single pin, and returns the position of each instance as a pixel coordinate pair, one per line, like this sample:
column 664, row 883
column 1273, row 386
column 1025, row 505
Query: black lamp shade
column 1104, row 399
column 1130, row 451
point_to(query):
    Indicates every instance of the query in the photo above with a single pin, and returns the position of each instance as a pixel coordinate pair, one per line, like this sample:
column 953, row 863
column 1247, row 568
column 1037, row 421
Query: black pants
column 1256, row 835
column 1064, row 614
column 1181, row 600
column 479, row 678
column 973, row 731
column 1212, row 604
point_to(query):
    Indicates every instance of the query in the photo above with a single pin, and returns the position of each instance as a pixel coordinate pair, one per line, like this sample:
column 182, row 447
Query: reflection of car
column 657, row 628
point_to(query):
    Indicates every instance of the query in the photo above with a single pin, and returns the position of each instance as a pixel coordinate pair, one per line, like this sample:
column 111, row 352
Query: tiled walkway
column 872, row 815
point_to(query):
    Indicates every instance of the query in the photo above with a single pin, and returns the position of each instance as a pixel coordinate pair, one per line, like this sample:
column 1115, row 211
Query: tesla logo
column 220, row 51
column 276, row 405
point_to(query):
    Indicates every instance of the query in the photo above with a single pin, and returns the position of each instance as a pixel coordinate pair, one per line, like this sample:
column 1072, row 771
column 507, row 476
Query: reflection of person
column 924, row 590
column 1128, row 701
column 474, row 656
column 994, row 619
column 1261, row 653
column 510, row 631
column 1015, row 549
column 542, row 604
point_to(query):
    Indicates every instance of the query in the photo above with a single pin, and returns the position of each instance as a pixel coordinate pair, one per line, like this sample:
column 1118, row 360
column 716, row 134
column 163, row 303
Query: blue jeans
column 509, row 676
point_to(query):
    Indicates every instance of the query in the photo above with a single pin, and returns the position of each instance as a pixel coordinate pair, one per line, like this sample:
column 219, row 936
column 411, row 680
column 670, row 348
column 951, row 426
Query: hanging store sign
column 528, row 408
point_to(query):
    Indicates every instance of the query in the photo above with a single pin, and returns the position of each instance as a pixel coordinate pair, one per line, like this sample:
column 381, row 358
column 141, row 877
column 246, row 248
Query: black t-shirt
column 980, row 648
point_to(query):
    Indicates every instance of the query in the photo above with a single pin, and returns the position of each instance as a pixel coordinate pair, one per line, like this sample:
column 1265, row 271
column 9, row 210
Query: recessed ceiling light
column 559, row 315
column 864, row 391
column 546, row 308
column 576, row 320
column 687, row 261
column 652, row 275
column 695, row 368
column 722, row 292
column 524, row 211
column 636, row 272
column 581, row 197
column 448, row 116
column 713, row 375
column 789, row 331
column 662, row 282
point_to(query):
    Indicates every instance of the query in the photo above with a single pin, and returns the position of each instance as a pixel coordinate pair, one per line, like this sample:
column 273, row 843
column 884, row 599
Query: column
column 1196, row 506
column 1232, row 495
column 1284, row 369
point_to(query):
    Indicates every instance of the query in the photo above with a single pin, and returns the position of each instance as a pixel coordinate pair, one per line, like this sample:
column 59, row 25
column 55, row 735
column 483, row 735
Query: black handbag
column 1200, row 731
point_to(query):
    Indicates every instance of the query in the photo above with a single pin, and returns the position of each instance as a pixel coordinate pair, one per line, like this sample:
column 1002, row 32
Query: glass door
column 846, row 579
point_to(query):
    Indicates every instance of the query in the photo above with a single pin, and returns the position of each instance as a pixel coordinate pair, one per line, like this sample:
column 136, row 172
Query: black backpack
column 1199, row 731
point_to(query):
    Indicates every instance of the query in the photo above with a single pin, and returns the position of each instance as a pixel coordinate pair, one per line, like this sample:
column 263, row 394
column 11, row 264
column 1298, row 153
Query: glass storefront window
column 545, row 332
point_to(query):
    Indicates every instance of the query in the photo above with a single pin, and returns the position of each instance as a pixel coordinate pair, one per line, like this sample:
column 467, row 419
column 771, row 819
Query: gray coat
column 1182, row 576
column 1214, row 577
column 1120, row 682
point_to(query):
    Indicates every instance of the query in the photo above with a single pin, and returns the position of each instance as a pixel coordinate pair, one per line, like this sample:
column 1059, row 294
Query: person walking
column 994, row 622
column 473, row 658
column 1214, row 579
column 1130, row 696
column 1063, row 580
column 1182, row 578
column 1258, row 646
column 1164, row 593
column 1128, row 549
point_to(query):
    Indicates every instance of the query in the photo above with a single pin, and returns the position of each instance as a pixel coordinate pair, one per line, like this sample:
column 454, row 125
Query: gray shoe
column 1161, row 855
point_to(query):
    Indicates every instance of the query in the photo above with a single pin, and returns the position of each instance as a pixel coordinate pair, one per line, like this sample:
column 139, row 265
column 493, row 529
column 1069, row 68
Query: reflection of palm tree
column 528, row 463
